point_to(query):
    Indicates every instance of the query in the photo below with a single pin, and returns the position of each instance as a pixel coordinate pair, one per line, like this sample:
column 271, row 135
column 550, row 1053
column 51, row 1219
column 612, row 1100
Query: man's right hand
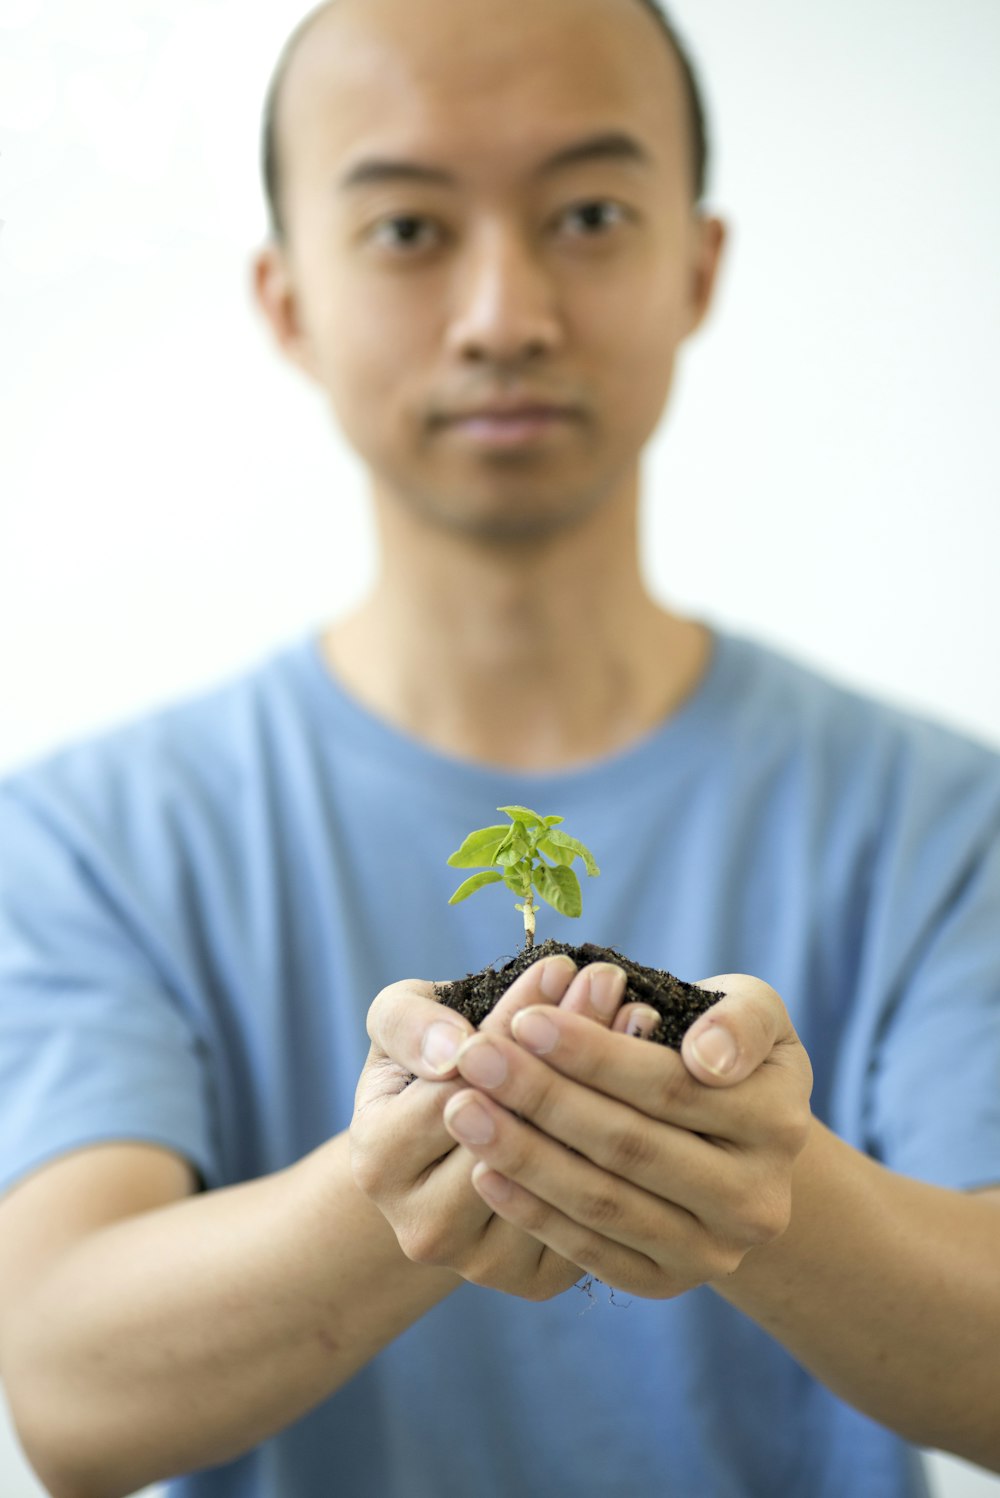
column 403, row 1157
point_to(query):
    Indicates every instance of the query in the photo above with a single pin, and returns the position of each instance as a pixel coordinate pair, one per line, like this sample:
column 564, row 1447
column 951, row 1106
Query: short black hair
column 271, row 167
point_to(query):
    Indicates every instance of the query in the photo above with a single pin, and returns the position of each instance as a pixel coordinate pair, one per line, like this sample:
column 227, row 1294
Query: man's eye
column 591, row 213
column 403, row 231
column 406, row 224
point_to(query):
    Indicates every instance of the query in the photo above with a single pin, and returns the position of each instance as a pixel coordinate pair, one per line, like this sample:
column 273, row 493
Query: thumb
column 733, row 1038
column 408, row 1026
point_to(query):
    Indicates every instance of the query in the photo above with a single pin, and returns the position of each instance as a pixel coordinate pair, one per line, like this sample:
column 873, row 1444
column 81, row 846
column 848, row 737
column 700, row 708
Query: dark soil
column 678, row 1003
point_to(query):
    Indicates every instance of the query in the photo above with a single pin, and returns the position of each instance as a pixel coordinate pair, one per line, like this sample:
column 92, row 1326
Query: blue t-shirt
column 197, row 908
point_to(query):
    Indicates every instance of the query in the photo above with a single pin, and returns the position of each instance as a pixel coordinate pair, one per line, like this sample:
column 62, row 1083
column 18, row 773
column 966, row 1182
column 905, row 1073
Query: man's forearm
column 181, row 1338
column 888, row 1290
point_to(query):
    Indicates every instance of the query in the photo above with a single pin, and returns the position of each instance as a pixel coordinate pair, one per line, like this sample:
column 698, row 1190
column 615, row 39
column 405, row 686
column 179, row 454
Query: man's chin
column 510, row 530
column 507, row 525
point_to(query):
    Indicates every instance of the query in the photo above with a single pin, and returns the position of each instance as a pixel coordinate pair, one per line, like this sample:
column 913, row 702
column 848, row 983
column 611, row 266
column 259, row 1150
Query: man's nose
column 505, row 299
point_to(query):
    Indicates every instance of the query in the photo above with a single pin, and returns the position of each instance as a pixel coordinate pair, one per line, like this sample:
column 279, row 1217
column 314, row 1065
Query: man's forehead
column 368, row 77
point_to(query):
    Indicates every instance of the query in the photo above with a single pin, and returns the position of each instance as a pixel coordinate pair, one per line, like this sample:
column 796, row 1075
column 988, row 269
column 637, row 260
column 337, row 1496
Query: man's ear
column 273, row 289
column 711, row 237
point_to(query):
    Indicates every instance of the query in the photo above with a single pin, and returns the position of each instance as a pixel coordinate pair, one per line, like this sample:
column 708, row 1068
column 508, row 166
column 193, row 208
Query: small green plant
column 518, row 854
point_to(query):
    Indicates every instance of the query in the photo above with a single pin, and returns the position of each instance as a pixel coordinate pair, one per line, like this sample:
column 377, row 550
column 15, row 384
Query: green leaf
column 553, row 821
column 522, row 814
column 559, row 855
column 516, row 845
column 573, row 846
column 489, row 876
column 520, row 884
column 479, row 848
column 560, row 888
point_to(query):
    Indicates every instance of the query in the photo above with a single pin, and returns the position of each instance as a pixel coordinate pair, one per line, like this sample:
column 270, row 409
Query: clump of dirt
column 678, row 1003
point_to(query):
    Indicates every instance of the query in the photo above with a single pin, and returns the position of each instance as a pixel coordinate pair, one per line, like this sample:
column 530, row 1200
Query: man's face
column 412, row 300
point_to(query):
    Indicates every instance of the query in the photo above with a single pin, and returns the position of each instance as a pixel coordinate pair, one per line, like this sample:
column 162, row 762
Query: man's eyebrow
column 610, row 145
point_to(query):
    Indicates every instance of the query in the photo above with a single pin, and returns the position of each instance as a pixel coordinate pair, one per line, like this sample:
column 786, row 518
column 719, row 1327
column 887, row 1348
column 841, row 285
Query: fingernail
column 557, row 974
column 535, row 1031
column 442, row 1043
column 643, row 1022
column 715, row 1049
column 607, row 984
column 491, row 1183
column 481, row 1063
column 471, row 1123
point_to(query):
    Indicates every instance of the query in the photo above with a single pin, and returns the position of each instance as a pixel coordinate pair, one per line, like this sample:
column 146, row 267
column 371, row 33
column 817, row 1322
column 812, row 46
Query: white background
column 175, row 501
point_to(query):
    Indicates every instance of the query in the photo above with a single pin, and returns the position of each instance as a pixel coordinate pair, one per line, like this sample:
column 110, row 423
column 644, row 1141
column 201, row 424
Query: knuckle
column 808, row 1076
column 532, row 1215
column 423, row 1242
column 672, row 1091
column 725, row 1259
column 589, row 1252
column 764, row 1215
column 717, row 1255
column 513, row 1157
column 781, row 1213
column 514, row 1267
column 602, row 1209
column 628, row 1149
column 414, row 1243
column 760, row 1028
column 791, row 1130
column 489, row 1275
column 545, row 1285
column 540, row 1097
column 659, row 1281
column 381, row 1009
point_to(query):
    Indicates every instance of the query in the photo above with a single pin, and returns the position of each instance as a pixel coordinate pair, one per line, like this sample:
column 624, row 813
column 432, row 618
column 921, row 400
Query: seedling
column 518, row 854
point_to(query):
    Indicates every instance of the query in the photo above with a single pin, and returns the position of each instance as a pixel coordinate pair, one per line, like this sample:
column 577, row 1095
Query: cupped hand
column 651, row 1170
column 402, row 1155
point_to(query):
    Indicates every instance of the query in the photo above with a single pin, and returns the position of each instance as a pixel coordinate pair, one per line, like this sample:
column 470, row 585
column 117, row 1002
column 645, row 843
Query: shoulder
column 858, row 738
column 197, row 756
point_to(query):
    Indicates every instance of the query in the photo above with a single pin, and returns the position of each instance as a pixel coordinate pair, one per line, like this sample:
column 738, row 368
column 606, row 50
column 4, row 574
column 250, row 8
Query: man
column 219, row 1259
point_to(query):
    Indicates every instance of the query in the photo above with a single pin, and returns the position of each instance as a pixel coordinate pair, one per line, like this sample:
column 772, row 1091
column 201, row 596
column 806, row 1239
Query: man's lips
column 509, row 427
column 524, row 411
column 509, row 409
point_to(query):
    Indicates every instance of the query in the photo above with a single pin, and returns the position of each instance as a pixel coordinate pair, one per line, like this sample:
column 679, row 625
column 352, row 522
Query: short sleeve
column 935, row 1083
column 94, row 1046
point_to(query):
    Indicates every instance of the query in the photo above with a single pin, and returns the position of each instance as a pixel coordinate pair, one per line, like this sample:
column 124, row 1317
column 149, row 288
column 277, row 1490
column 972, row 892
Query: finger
column 566, row 1181
column 639, row 1020
column 430, row 1203
column 596, row 991
column 397, row 1139
column 544, row 982
column 680, row 1260
column 518, row 1209
column 739, row 1033
column 449, row 1223
column 650, row 1078
column 667, row 1160
column 407, row 1023
column 417, row 1124
column 610, row 1220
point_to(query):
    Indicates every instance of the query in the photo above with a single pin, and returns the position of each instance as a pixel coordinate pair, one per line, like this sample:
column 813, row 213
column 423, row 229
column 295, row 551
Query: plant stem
column 529, row 922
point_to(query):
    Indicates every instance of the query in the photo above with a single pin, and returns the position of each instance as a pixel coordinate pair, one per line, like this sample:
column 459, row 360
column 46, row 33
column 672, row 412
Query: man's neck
column 539, row 659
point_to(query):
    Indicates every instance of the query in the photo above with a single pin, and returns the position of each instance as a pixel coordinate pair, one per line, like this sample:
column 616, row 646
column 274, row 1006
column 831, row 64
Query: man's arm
column 888, row 1290
column 180, row 1333
column 147, row 1331
column 656, row 1175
